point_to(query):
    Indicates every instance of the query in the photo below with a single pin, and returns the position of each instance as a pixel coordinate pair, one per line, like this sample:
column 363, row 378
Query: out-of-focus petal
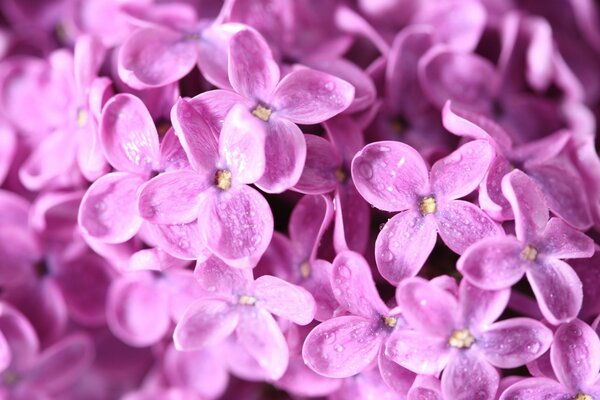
column 309, row 220
column 322, row 162
column 536, row 389
column 213, row 48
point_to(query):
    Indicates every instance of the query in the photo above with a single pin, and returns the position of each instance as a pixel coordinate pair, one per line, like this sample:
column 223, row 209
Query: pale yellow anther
column 262, row 112
column 529, row 253
column 247, row 300
column 389, row 321
column 305, row 269
column 582, row 396
column 340, row 175
column 223, row 179
column 461, row 339
column 427, row 205
column 82, row 117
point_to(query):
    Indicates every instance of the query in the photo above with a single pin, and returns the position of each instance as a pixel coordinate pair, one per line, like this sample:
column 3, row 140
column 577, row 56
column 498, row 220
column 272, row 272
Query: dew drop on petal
column 364, row 168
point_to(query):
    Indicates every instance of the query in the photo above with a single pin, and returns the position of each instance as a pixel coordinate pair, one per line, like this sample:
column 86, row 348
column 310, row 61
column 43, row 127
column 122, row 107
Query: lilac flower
column 536, row 251
column 237, row 303
column 346, row 345
column 575, row 357
column 392, row 176
column 459, row 336
column 234, row 220
column 304, row 96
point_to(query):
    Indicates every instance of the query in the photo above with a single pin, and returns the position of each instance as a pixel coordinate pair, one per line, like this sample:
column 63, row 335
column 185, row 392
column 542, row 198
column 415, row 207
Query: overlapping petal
column 284, row 299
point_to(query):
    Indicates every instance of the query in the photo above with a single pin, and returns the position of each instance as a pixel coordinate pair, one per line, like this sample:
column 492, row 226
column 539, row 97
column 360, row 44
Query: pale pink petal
column 253, row 72
column 536, row 389
column 242, row 145
column 557, row 289
column 353, row 286
column 309, row 220
column 478, row 307
column 284, row 299
column 214, row 105
column 206, row 322
column 8, row 146
column 352, row 219
column 322, row 162
column 528, row 204
column 469, row 376
column 155, row 56
column 395, row 376
column 319, row 285
column 418, row 351
column 154, row 259
column 236, row 224
column 390, row 175
column 180, row 240
column 306, row 96
column 260, row 335
column 285, row 153
column 575, row 354
column 493, row 263
column 541, row 150
column 108, row 209
column 491, row 199
column 172, row 155
column 172, row 197
column 138, row 309
column 213, row 48
column 300, row 380
column 341, row 347
column 216, row 277
column 461, row 172
column 562, row 241
column 461, row 224
column 89, row 55
column 425, row 387
column 514, row 342
column 403, row 245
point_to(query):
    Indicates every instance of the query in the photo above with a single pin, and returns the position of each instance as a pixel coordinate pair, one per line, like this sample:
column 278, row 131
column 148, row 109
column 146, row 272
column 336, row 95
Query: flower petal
column 253, row 72
column 236, row 224
column 478, row 307
column 557, row 289
column 352, row 219
column 514, row 342
column 418, row 351
column 491, row 199
column 214, row 276
column 205, row 322
column 128, row 135
column 213, row 49
column 300, row 380
column 322, row 162
column 536, row 389
column 404, row 244
column 395, row 376
column 306, row 96
column 341, row 347
column 493, row 263
column 309, row 220
column 155, row 56
column 461, row 172
column 108, row 209
column 21, row 337
column 179, row 240
column 425, row 387
column 284, row 299
column 563, row 241
column 468, row 376
column 390, row 175
column 461, row 224
column 261, row 337
column 575, row 354
column 172, row 197
column 172, row 155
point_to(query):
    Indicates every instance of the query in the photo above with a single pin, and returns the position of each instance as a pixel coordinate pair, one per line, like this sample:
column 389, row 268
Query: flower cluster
column 242, row 199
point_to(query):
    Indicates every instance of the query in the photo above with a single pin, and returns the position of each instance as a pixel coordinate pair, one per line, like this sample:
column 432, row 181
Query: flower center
column 82, row 117
column 529, row 253
column 461, row 339
column 340, row 175
column 223, row 179
column 10, row 378
column 262, row 112
column 389, row 321
column 246, row 300
column 305, row 269
column 582, row 396
column 427, row 205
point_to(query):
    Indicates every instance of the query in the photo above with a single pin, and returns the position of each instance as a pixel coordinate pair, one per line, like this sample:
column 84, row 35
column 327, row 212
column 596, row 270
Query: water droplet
column 329, row 86
column 184, row 244
column 387, row 256
column 534, row 347
column 365, row 170
column 339, row 348
column 384, row 149
column 337, row 292
column 344, row 271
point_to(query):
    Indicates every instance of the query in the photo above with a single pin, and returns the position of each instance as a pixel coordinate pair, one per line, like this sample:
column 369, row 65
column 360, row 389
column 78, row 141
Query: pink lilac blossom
column 295, row 199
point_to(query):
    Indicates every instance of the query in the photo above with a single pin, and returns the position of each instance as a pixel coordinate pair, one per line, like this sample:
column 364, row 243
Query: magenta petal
column 8, row 147
column 491, row 199
column 237, row 225
column 461, row 224
column 404, row 244
column 322, row 162
column 172, row 197
column 528, row 204
column 253, row 72
column 395, row 376
column 285, row 153
column 5, row 353
column 242, row 144
column 468, row 376
column 514, row 342
column 128, row 135
column 493, row 263
column 563, row 241
column 425, row 388
column 138, row 309
column 20, row 336
column 341, row 347
column 108, row 209
column 300, row 380
column 205, row 322
column 319, row 285
column 478, row 307
column 557, row 289
column 352, row 219
column 461, row 172
column 213, row 52
column 261, row 337
column 427, row 307
column 216, row 277
column 353, row 286
column 418, row 351
column 536, row 389
column 180, row 240
column 154, row 57
column 172, row 155
column 309, row 220
column 390, row 175
column 575, row 354
column 284, row 299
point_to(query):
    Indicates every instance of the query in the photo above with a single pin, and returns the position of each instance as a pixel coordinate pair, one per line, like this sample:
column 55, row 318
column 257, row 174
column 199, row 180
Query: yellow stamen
column 427, row 205
column 461, row 339
column 247, row 300
column 305, row 269
column 262, row 112
column 582, row 396
column 340, row 175
column 529, row 253
column 390, row 321
column 223, row 179
column 82, row 117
